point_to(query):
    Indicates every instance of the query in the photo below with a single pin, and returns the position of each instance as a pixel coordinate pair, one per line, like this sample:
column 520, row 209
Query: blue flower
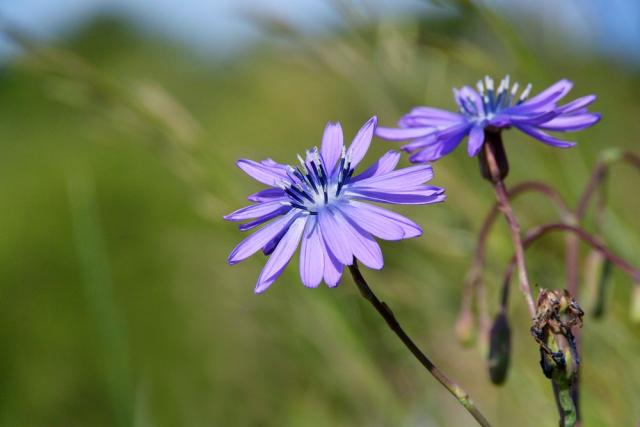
column 434, row 133
column 322, row 204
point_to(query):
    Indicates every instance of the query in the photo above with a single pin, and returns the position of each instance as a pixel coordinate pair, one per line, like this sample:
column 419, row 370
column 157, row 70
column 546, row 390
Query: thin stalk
column 492, row 164
column 474, row 284
column 383, row 309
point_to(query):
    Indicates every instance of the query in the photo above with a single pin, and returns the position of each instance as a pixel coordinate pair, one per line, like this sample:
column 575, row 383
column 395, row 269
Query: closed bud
column 599, row 305
column 499, row 349
column 493, row 144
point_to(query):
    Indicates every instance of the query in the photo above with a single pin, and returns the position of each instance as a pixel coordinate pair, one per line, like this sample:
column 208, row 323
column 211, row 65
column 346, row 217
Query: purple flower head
column 434, row 133
column 321, row 203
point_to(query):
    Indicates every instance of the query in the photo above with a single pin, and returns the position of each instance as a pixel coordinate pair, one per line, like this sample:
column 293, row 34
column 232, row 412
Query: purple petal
column 311, row 255
column 332, row 268
column 439, row 149
column 430, row 117
column 419, row 143
column 269, row 175
column 373, row 222
column 281, row 255
column 435, row 113
column 253, row 224
column 533, row 118
column 401, row 134
column 334, row 237
column 409, row 197
column 410, row 228
column 361, row 142
column 256, row 241
column 254, row 211
column 363, row 245
column 548, row 96
column 332, row 143
column 545, row 137
column 476, row 139
column 399, row 179
column 267, row 195
column 572, row 123
column 469, row 98
column 385, row 164
column 577, row 104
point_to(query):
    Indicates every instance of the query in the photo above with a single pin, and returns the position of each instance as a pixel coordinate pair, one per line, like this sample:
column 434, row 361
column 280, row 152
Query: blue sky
column 220, row 26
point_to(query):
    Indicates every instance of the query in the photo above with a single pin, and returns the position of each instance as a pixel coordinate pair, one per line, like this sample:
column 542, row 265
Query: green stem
column 383, row 309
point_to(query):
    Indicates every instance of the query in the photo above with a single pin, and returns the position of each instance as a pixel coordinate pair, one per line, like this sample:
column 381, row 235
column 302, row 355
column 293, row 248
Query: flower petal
column 363, row 245
column 256, row 241
column 576, row 104
column 281, row 255
column 410, row 228
column 419, row 196
column 361, row 142
column 269, row 175
column 258, row 221
column 332, row 143
column 435, row 113
column 332, row 268
column 545, row 137
column 572, row 122
column 334, row 236
column 469, row 99
column 379, row 225
column 476, row 139
column 439, row 149
column 549, row 96
column 311, row 255
column 385, row 164
column 401, row 134
column 267, row 195
column 404, row 178
column 254, row 211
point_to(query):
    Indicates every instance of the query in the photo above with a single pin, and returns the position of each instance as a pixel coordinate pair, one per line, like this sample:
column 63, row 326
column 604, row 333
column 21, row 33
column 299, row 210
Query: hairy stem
column 386, row 313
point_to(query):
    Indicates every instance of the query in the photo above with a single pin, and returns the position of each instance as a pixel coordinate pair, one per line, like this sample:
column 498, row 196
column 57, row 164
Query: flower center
column 492, row 101
column 311, row 187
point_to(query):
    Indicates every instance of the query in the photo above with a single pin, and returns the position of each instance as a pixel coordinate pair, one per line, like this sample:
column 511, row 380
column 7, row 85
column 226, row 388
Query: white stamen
column 480, row 87
column 514, row 89
column 526, row 92
column 507, row 81
column 302, row 163
column 488, row 82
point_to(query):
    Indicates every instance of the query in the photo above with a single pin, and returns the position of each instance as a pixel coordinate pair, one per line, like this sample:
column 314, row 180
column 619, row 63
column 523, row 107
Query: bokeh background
column 120, row 123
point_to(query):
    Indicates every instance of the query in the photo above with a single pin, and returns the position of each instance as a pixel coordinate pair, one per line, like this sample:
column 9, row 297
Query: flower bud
column 599, row 305
column 499, row 349
column 493, row 143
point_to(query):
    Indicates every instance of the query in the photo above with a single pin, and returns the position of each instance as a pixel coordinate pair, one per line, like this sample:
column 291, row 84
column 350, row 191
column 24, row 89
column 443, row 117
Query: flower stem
column 494, row 160
column 383, row 309
column 474, row 285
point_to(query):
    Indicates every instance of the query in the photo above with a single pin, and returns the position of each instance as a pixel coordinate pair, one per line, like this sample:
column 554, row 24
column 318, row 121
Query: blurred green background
column 117, row 152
